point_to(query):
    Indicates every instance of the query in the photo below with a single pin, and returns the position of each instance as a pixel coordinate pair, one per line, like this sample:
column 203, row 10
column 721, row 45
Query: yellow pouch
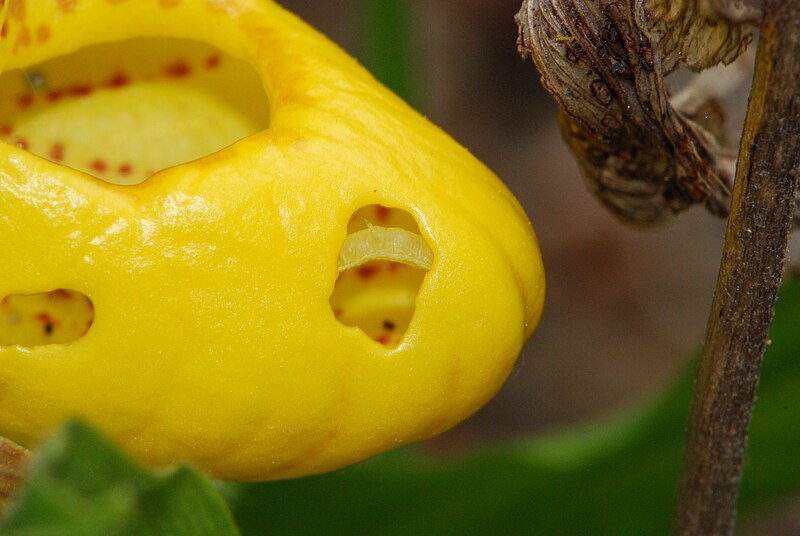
column 224, row 242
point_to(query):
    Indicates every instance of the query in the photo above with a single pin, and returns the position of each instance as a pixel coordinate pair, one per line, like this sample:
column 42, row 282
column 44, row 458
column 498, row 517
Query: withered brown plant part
column 627, row 47
column 604, row 62
column 13, row 460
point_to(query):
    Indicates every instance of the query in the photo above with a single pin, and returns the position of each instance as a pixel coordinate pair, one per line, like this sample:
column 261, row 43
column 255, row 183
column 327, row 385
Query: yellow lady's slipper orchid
column 223, row 241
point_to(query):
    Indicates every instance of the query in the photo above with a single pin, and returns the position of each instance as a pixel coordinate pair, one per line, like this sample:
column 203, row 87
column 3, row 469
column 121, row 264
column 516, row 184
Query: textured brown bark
column 604, row 62
column 750, row 274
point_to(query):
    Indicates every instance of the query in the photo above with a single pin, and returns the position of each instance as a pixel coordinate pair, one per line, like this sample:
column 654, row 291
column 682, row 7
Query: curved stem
column 749, row 277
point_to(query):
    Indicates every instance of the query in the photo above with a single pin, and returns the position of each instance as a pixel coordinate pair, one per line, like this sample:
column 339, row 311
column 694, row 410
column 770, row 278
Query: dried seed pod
column 700, row 33
column 604, row 62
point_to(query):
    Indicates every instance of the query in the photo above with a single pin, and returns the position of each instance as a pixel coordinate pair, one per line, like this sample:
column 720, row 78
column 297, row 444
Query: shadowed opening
column 382, row 265
column 57, row 317
column 123, row 111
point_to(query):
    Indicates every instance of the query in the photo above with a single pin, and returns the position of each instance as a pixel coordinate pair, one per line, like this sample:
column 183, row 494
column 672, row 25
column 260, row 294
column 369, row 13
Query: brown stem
column 750, row 274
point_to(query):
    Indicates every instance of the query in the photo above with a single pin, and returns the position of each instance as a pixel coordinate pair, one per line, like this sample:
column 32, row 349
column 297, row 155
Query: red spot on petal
column 99, row 165
column 17, row 9
column 368, row 271
column 57, row 153
column 23, row 37
column 43, row 33
column 80, row 91
column 48, row 322
column 384, row 339
column 118, row 80
column 25, row 100
column 4, row 30
column 382, row 213
column 67, row 5
column 63, row 294
column 213, row 61
column 178, row 69
column 22, row 143
column 125, row 169
column 54, row 95
column 6, row 130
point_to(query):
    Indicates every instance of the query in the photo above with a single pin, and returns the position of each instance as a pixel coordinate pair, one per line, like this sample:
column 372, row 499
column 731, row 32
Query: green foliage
column 386, row 45
column 80, row 485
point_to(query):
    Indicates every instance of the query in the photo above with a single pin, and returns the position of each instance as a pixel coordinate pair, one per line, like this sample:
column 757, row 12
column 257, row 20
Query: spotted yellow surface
column 187, row 173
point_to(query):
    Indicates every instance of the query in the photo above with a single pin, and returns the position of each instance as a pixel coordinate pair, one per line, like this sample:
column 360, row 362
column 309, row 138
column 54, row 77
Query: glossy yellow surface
column 195, row 197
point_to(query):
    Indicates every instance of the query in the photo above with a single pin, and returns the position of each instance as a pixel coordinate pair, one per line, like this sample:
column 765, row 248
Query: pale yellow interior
column 379, row 296
column 57, row 317
column 124, row 111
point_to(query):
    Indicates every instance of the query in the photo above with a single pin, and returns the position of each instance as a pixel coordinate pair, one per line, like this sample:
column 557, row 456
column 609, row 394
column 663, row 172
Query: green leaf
column 614, row 476
column 79, row 484
column 387, row 47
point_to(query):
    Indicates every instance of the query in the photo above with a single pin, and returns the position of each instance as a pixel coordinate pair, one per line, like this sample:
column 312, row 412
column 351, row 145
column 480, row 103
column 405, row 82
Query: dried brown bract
column 604, row 62
column 699, row 33
column 13, row 460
